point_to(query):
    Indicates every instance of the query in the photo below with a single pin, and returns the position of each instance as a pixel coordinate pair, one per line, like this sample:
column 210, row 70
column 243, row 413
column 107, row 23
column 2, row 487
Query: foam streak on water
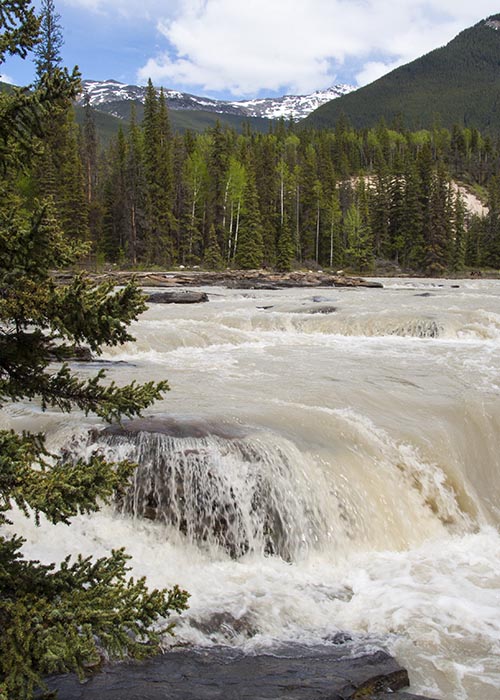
column 355, row 433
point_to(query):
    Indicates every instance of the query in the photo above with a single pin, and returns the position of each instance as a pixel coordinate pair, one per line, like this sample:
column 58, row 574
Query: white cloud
column 4, row 78
column 244, row 46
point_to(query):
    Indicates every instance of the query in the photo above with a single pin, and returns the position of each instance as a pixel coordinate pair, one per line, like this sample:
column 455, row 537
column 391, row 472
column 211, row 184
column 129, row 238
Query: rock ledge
column 324, row 673
column 234, row 279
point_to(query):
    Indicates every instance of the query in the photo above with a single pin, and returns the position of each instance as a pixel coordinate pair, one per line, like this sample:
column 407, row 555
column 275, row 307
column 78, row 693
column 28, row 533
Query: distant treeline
column 341, row 198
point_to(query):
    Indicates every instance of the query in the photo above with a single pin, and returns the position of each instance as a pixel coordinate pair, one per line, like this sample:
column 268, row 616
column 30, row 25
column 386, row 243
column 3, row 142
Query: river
column 363, row 427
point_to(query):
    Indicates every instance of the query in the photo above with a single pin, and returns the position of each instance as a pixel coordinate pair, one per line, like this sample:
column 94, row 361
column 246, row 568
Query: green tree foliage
column 89, row 157
column 491, row 244
column 358, row 232
column 212, row 259
column 58, row 618
column 136, row 195
column 285, row 247
column 250, row 249
column 20, row 27
column 157, row 140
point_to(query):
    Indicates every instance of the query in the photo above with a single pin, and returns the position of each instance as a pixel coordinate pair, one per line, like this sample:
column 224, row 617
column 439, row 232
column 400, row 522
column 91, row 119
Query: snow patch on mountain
column 289, row 106
column 493, row 24
column 292, row 106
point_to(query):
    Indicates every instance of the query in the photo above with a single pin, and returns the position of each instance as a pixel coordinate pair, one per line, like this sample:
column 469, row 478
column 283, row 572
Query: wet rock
column 75, row 353
column 324, row 309
column 327, row 673
column 399, row 696
column 223, row 624
column 173, row 427
column 177, row 297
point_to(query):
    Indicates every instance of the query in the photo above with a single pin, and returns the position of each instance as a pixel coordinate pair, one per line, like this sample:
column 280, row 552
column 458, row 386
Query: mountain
column 456, row 84
column 114, row 97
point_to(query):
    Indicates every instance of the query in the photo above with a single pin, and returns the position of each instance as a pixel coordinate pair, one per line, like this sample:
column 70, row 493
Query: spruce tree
column 285, row 247
column 250, row 251
column 438, row 235
column 335, row 253
column 213, row 259
column 58, row 618
column 48, row 50
column 157, row 157
column 137, row 222
column 114, row 201
column 218, row 162
column 491, row 242
column 459, row 235
column 412, row 233
column 89, row 148
column 358, row 232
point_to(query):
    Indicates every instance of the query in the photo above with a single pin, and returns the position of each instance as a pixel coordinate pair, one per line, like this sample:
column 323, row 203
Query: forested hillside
column 341, row 198
column 456, row 84
column 113, row 114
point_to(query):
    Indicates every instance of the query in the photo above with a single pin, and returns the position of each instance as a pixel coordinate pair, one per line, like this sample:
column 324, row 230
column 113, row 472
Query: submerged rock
column 177, row 297
column 323, row 309
column 174, row 427
column 319, row 673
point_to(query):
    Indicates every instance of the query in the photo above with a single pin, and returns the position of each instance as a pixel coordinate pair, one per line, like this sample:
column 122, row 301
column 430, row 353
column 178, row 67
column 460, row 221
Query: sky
column 237, row 49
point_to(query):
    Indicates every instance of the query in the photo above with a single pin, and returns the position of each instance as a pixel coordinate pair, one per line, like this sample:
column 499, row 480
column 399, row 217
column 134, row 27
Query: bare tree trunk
column 282, row 199
column 193, row 216
column 237, row 229
column 297, row 232
column 134, row 235
column 226, row 193
column 317, row 233
column 331, row 244
column 230, row 238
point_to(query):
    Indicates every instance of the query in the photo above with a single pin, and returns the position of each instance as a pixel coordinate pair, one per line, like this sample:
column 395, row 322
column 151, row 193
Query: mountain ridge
column 458, row 83
column 103, row 94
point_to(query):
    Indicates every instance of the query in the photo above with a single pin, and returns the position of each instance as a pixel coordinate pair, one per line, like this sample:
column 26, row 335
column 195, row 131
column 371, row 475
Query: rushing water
column 345, row 477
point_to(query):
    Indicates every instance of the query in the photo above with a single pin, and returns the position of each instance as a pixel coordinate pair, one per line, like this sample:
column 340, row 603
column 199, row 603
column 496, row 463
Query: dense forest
column 341, row 198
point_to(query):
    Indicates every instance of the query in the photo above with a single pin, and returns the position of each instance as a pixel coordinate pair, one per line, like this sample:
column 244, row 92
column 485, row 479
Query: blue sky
column 246, row 48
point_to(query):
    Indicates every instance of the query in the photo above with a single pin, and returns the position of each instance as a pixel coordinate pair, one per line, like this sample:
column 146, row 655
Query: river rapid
column 370, row 421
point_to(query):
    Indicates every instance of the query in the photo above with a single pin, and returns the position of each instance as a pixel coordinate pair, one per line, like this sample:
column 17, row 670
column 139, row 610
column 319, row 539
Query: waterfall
column 244, row 494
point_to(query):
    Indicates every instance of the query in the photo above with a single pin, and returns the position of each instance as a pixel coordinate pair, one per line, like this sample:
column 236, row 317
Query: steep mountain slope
column 112, row 96
column 458, row 83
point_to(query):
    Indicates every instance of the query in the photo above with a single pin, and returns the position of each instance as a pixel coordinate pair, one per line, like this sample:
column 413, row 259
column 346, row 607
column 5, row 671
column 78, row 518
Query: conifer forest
column 341, row 198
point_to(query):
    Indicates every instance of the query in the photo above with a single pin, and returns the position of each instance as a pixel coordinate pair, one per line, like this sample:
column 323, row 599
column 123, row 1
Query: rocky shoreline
column 232, row 279
column 331, row 672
